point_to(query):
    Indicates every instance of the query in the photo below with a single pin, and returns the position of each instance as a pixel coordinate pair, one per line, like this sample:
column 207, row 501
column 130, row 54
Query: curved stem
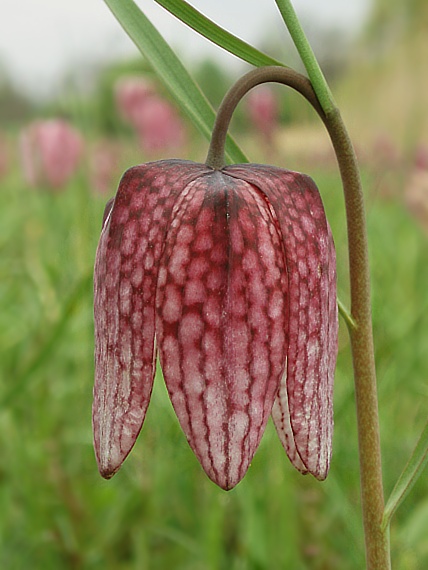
column 215, row 158
column 361, row 334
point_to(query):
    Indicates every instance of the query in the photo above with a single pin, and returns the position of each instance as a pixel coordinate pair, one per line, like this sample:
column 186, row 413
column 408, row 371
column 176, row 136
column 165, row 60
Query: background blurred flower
column 50, row 152
column 263, row 111
column 416, row 190
column 385, row 153
column 103, row 166
column 4, row 156
column 130, row 95
column 158, row 125
column 421, row 157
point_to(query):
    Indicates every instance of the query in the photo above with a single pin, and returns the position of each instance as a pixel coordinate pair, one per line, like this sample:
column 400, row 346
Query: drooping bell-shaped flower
column 229, row 275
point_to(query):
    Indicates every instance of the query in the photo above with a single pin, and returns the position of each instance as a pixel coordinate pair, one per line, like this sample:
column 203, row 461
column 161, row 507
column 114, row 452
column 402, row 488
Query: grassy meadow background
column 161, row 511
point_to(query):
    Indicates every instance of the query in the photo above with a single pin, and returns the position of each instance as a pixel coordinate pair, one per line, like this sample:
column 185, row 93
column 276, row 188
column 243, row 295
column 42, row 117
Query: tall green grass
column 160, row 511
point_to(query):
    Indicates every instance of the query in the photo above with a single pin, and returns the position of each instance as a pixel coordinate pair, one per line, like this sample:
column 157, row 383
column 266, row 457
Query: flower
column 103, row 163
column 230, row 275
column 416, row 187
column 51, row 151
column 262, row 107
column 131, row 94
column 159, row 127
column 155, row 120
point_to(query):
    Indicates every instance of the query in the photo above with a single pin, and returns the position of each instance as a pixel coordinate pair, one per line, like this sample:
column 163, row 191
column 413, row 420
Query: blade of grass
column 307, row 55
column 170, row 70
column 219, row 36
column 52, row 339
column 408, row 478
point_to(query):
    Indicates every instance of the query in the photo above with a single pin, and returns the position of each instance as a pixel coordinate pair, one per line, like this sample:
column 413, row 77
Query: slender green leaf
column 204, row 26
column 307, row 55
column 53, row 338
column 408, row 478
column 170, row 70
column 346, row 315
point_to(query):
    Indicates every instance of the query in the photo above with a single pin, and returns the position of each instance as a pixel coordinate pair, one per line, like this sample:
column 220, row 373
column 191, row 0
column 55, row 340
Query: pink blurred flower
column 4, row 157
column 130, row 95
column 421, row 157
column 103, row 165
column 263, row 111
column 385, row 153
column 159, row 126
column 416, row 196
column 155, row 120
column 50, row 152
column 416, row 189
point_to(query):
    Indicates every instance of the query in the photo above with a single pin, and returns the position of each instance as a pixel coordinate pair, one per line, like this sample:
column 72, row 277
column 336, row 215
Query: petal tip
column 107, row 466
column 107, row 473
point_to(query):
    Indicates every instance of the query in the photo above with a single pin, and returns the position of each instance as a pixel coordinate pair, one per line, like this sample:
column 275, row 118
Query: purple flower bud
column 230, row 276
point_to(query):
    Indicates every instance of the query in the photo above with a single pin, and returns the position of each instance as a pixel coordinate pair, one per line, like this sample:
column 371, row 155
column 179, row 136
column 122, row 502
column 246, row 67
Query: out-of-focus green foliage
column 409, row 16
column 160, row 511
column 13, row 105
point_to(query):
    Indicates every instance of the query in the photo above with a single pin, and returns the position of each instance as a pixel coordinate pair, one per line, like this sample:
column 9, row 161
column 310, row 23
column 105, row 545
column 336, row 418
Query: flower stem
column 216, row 154
column 361, row 334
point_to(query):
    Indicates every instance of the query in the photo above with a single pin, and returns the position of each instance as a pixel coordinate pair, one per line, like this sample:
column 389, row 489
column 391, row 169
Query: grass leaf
column 204, row 26
column 52, row 339
column 408, row 478
column 170, row 70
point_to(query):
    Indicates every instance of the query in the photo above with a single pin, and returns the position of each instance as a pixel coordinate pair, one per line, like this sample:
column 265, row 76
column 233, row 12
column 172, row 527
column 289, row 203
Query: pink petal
column 222, row 317
column 282, row 421
column 126, row 271
column 313, row 324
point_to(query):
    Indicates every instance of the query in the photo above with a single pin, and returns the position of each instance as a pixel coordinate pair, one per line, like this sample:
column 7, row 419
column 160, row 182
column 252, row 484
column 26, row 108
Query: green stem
column 361, row 335
column 346, row 316
column 315, row 74
column 407, row 479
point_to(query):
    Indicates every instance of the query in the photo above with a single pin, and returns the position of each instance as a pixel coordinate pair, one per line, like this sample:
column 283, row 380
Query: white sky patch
column 42, row 40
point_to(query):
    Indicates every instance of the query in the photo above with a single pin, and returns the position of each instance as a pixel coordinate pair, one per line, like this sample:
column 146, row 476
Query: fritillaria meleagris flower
column 50, row 151
column 4, row 156
column 230, row 275
column 263, row 111
column 131, row 93
column 158, row 125
column 103, row 164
